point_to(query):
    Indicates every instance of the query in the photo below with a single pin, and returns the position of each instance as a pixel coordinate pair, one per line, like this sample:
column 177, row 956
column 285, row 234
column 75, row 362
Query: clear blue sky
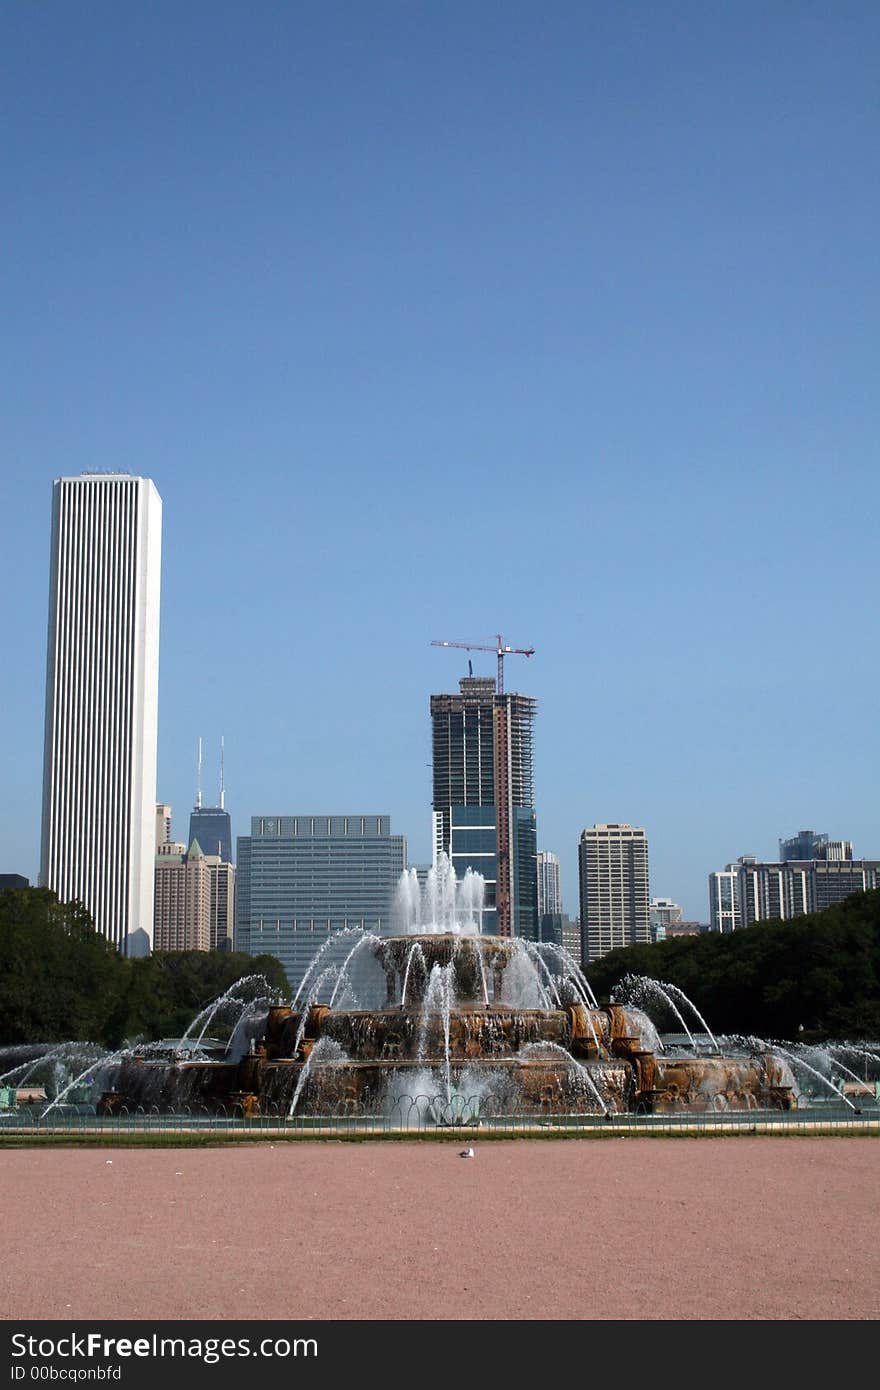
column 437, row 320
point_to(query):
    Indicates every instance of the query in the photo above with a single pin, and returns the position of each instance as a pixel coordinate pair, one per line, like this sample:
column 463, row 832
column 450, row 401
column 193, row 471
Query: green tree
column 814, row 977
column 59, row 979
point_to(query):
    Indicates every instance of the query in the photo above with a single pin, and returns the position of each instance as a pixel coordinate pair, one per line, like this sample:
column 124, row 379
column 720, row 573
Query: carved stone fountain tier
column 153, row 1083
column 477, row 964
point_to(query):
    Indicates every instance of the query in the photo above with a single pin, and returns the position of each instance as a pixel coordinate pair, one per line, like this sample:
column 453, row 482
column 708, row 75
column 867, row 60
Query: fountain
column 458, row 1027
column 440, row 1023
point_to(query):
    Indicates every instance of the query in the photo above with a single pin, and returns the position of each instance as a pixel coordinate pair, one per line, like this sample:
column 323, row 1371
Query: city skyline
column 219, row 811
column 561, row 328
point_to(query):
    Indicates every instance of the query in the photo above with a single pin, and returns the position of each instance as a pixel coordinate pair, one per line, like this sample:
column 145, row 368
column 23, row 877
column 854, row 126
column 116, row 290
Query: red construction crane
column 500, row 649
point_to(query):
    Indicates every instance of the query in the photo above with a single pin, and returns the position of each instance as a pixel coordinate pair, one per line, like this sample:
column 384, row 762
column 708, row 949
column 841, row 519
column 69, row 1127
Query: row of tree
column 813, row 977
column 60, row 980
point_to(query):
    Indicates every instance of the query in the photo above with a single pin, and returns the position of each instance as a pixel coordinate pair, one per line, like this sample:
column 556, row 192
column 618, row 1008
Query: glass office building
column 302, row 878
column 212, row 827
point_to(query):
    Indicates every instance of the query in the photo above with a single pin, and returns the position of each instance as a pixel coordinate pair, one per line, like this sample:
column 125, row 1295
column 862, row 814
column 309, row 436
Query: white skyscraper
column 102, row 697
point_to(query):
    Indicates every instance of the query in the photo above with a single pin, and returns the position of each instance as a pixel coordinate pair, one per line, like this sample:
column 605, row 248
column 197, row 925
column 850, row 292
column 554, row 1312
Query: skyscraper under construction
column 484, row 808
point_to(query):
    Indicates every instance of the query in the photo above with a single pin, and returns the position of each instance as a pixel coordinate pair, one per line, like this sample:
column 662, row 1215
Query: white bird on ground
column 466, row 1153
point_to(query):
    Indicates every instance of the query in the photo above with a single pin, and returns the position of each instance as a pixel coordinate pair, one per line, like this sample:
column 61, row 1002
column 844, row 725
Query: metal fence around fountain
column 415, row 1116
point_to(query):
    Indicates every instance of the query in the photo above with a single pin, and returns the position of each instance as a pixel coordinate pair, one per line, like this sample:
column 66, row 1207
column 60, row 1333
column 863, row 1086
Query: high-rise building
column 550, row 918
column 763, row 892
column 664, row 912
column 724, row 914
column 175, row 916
column 302, row 878
column 811, row 844
column 483, row 798
column 549, row 890
column 212, row 825
column 170, row 847
column 836, row 851
column 833, row 880
column 615, row 899
column 571, row 937
column 222, row 905
column 102, row 694
column 183, row 900
column 803, row 845
column 163, row 825
column 662, row 915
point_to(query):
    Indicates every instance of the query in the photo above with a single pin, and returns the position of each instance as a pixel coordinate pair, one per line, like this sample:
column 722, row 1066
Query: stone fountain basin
column 169, row 1085
column 549, row 1084
column 718, row 1083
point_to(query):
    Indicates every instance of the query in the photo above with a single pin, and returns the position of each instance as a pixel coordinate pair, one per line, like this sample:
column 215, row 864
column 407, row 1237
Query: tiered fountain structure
column 458, row 1026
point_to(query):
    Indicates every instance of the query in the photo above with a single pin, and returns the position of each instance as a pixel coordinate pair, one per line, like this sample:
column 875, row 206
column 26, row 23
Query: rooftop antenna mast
column 199, row 783
column 222, row 787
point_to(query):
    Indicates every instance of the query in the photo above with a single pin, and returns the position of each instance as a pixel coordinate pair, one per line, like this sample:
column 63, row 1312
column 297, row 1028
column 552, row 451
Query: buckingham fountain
column 441, row 1023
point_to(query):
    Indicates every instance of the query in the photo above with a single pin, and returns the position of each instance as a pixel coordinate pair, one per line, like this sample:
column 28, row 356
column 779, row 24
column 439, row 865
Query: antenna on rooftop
column 199, row 783
column 222, row 788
